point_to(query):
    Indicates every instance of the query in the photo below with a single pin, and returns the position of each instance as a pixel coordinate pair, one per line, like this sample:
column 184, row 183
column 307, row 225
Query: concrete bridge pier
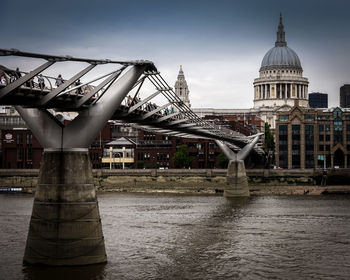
column 236, row 178
column 65, row 227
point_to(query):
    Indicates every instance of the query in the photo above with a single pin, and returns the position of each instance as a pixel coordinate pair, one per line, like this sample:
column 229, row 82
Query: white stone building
column 281, row 80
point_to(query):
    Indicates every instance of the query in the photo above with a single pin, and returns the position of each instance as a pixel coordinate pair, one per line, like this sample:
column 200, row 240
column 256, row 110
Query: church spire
column 281, row 41
column 181, row 72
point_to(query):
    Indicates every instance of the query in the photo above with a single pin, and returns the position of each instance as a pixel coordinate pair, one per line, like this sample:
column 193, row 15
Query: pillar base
column 65, row 227
column 236, row 180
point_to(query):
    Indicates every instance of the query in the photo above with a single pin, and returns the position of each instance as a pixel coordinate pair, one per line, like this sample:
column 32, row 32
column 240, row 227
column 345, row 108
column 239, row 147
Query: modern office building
column 313, row 138
column 318, row 100
column 345, row 96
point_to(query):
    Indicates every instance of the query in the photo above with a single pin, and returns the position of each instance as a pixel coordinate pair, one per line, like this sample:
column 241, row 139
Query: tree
column 181, row 158
column 222, row 160
column 269, row 144
column 269, row 139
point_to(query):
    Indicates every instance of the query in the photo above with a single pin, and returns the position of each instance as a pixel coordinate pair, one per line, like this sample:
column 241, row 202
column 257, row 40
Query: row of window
column 337, row 122
column 20, row 139
column 287, row 71
column 24, row 154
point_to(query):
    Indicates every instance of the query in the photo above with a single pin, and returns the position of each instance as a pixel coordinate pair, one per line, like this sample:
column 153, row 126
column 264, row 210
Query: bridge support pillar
column 65, row 227
column 236, row 180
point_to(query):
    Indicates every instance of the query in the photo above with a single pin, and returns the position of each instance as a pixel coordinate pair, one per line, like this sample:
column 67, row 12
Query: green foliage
column 222, row 160
column 269, row 139
column 139, row 164
column 181, row 158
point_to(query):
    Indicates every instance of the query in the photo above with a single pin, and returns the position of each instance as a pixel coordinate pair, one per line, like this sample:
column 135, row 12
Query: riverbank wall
column 196, row 181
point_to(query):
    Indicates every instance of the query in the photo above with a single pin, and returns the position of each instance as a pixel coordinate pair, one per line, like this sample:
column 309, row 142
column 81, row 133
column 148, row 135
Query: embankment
column 199, row 181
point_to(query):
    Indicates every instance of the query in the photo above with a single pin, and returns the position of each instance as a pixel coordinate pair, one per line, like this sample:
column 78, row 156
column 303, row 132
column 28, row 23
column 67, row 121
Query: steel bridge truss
column 84, row 97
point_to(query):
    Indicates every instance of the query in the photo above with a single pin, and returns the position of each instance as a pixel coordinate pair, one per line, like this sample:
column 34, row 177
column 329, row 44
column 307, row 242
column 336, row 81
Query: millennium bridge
column 65, row 226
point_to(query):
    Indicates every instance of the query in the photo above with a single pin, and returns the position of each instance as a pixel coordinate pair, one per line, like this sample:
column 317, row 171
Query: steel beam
column 16, row 84
column 84, row 128
column 87, row 96
column 44, row 126
column 14, row 52
column 178, row 121
column 166, row 117
column 226, row 150
column 47, row 98
column 139, row 104
column 145, row 116
column 242, row 154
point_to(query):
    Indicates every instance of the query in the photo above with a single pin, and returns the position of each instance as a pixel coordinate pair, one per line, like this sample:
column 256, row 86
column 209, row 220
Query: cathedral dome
column 281, row 80
column 280, row 56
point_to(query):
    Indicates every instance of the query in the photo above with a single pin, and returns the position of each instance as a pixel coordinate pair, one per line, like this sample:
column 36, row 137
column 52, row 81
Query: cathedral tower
column 181, row 88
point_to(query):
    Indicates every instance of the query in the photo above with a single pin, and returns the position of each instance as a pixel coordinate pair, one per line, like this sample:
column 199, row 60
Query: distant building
column 20, row 149
column 345, row 96
column 281, row 80
column 318, row 100
column 279, row 85
column 119, row 154
column 313, row 138
column 181, row 88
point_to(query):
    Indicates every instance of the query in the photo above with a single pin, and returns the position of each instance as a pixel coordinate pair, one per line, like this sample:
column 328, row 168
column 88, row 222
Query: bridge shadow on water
column 89, row 272
column 199, row 254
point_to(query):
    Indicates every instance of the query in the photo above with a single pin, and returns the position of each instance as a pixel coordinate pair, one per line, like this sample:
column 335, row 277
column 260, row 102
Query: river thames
column 152, row 236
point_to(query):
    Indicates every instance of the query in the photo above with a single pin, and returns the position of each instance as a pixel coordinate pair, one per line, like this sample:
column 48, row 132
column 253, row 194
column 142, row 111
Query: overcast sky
column 219, row 43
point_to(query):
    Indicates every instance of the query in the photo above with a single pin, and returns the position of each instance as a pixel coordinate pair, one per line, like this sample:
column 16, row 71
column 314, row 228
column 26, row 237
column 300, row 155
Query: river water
column 199, row 237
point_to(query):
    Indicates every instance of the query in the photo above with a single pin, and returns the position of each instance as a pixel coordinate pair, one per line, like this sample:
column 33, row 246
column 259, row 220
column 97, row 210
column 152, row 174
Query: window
column 309, row 117
column 19, row 138
column 321, row 137
column 321, row 127
column 19, row 154
column 29, row 139
column 320, row 147
column 309, row 146
column 328, row 137
column 283, row 118
column 283, row 145
column 295, row 146
column 29, row 155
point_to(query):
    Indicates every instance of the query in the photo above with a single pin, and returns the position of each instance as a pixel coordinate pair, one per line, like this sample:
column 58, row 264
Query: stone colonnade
column 281, row 91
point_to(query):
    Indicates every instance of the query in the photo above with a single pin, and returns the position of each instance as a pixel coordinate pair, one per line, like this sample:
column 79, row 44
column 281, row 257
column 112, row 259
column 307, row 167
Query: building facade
column 345, row 96
column 313, row 138
column 119, row 154
column 20, row 149
column 318, row 100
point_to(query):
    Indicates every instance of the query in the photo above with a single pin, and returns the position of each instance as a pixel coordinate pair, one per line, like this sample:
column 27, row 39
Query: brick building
column 20, row 149
column 313, row 138
column 157, row 151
